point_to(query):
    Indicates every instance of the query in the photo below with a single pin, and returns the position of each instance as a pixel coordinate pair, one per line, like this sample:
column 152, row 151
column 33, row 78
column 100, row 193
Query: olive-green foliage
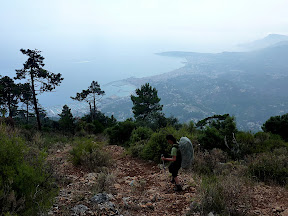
column 94, row 127
column 121, row 132
column 212, row 196
column 140, row 133
column 99, row 128
column 67, row 120
column 270, row 166
column 54, row 139
column 222, row 195
column 158, row 120
column 189, row 127
column 136, row 149
column 277, row 125
column 206, row 162
column 211, row 138
column 26, row 186
column 138, row 139
column 89, row 154
column 44, row 140
column 146, row 102
column 256, row 143
column 104, row 183
column 220, row 134
column 157, row 145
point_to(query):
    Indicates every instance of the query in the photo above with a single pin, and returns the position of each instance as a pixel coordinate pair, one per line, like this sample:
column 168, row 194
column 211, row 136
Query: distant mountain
column 270, row 40
column 252, row 86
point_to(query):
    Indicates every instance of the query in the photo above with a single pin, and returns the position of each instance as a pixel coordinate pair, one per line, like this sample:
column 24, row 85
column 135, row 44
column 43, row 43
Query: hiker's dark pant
column 174, row 168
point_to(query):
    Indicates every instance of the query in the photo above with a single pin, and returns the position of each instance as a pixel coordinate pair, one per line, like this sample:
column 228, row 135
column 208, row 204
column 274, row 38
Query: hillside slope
column 141, row 188
column 252, row 86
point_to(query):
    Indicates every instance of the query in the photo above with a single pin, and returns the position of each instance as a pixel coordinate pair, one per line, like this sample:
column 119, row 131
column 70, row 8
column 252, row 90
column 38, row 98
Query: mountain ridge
column 249, row 85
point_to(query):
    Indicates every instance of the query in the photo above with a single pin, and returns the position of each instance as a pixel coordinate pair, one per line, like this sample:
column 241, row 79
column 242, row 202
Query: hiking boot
column 178, row 188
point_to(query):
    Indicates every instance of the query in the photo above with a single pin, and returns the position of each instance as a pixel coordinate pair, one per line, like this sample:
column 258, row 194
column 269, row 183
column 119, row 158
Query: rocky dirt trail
column 139, row 188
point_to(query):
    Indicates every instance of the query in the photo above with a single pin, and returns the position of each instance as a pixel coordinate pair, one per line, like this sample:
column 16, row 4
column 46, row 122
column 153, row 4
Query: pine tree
column 9, row 95
column 26, row 98
column 91, row 95
column 146, row 103
column 66, row 121
column 37, row 77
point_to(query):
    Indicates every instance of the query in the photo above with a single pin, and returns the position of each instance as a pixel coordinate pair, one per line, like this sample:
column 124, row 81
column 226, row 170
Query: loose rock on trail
column 140, row 188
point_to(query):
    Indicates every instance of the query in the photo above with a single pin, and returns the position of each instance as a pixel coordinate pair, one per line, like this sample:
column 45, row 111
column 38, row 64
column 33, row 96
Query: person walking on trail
column 176, row 161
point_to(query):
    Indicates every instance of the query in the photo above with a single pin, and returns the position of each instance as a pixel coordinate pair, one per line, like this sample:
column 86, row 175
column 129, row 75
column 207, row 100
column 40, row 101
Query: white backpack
column 187, row 152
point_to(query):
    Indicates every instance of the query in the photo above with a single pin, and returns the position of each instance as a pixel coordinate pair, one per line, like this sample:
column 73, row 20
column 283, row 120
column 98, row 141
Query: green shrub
column 81, row 133
column 90, row 154
column 139, row 137
column 206, row 162
column 258, row 143
column 157, row 145
column 223, row 196
column 99, row 128
column 141, row 133
column 121, row 132
column 270, row 166
column 211, row 196
column 104, row 183
column 90, row 128
column 277, row 125
column 273, row 142
column 26, row 186
column 246, row 143
column 54, row 139
column 136, row 149
column 189, row 127
column 211, row 138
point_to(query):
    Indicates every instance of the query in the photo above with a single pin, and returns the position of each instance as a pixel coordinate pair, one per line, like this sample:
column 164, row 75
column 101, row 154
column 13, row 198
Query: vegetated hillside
column 138, row 187
column 252, row 86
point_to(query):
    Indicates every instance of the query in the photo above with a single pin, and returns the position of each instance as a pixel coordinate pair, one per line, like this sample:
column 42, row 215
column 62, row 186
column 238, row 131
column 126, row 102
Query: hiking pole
column 164, row 171
column 163, row 162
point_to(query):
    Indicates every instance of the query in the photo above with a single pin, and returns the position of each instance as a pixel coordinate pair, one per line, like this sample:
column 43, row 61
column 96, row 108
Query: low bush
column 136, row 149
column 223, row 196
column 157, row 145
column 26, row 185
column 249, row 143
column 121, row 132
column 104, row 183
column 211, row 138
column 138, row 139
column 270, row 166
column 90, row 155
column 140, row 133
column 206, row 162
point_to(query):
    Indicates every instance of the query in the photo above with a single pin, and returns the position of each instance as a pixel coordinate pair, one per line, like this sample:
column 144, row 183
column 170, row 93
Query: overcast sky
column 146, row 21
column 106, row 40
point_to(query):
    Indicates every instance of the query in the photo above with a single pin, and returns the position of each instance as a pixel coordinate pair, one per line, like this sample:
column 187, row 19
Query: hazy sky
column 141, row 21
column 105, row 40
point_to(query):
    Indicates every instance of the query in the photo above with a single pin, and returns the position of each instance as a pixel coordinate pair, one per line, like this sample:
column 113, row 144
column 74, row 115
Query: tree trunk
column 91, row 111
column 9, row 105
column 27, row 117
column 94, row 109
column 35, row 101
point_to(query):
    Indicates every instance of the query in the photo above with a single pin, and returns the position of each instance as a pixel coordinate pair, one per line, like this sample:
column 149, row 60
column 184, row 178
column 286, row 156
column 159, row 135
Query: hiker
column 176, row 161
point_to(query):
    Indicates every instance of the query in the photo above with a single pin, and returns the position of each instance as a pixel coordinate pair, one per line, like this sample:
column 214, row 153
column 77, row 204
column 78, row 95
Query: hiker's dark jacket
column 175, row 165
